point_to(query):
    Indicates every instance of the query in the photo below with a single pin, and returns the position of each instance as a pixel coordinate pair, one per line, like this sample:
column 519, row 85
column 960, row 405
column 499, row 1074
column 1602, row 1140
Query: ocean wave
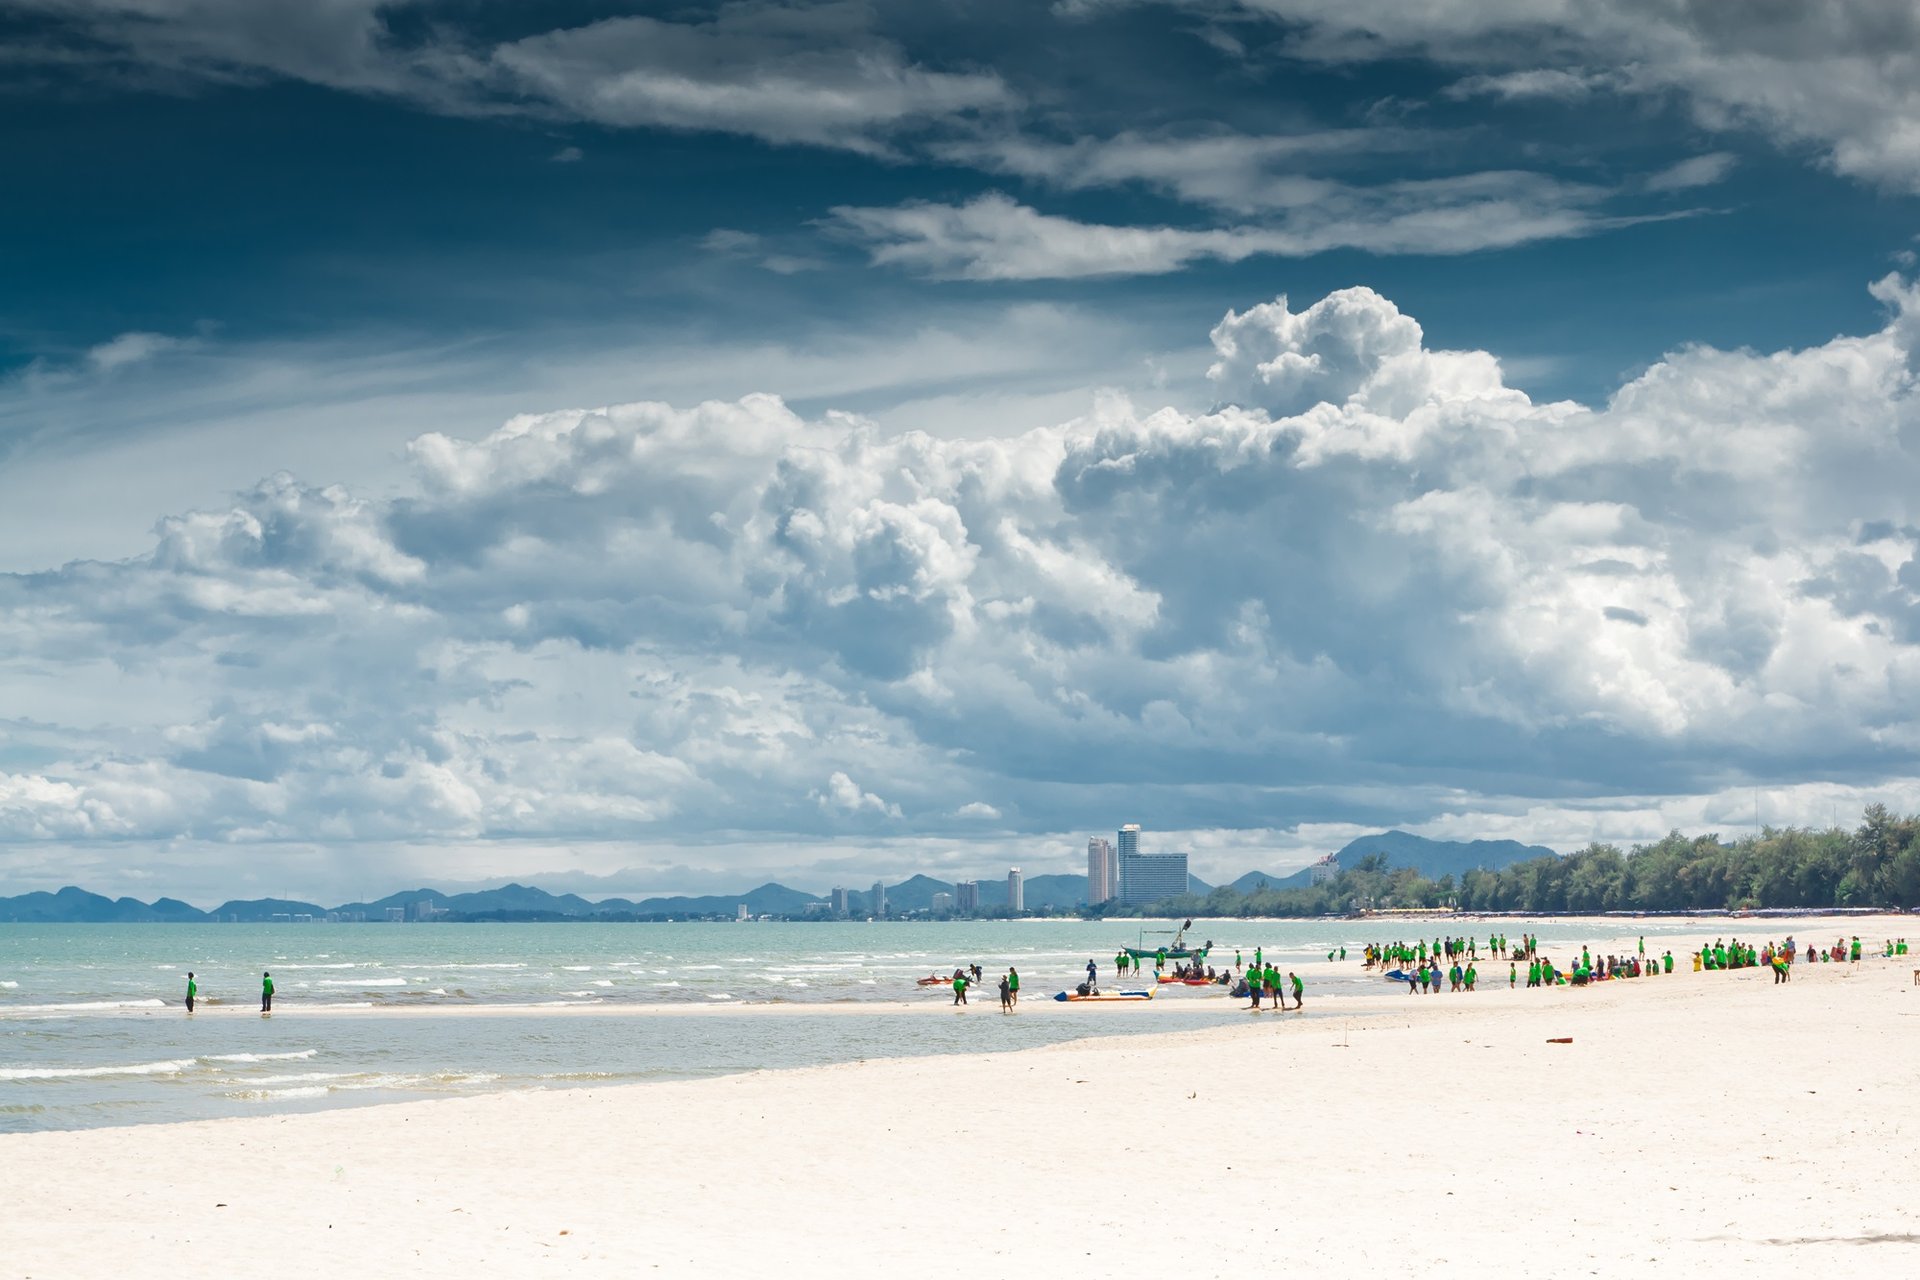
column 279, row 1095
column 84, row 1006
column 259, row 1057
column 347, row 964
column 301, row 1077
column 11, row 986
column 166, row 1067
column 362, row 982
column 516, row 964
column 602, row 982
column 577, row 968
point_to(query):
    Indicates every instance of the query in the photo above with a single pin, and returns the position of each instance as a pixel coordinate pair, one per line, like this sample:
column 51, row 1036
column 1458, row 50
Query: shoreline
column 1692, row 1123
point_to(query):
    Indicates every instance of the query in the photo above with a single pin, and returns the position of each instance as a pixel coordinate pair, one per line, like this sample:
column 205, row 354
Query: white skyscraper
column 1148, row 877
column 879, row 898
column 1101, row 871
column 1016, row 891
column 1129, row 839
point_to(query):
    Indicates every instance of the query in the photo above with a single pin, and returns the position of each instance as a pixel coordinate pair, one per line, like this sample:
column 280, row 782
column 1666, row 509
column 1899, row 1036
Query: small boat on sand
column 1076, row 998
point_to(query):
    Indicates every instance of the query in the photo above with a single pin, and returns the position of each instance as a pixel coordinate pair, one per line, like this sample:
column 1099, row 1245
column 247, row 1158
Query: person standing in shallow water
column 1013, row 985
column 193, row 990
column 960, row 987
column 266, row 993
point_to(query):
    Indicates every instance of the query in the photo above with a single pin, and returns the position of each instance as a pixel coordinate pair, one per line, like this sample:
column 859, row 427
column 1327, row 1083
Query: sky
column 666, row 447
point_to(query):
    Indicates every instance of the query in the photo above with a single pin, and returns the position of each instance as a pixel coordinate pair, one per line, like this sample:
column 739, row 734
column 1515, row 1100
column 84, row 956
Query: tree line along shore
column 1873, row 866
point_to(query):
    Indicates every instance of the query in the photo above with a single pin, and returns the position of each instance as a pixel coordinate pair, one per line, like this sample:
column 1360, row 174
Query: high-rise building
column 1149, row 877
column 1016, row 891
column 879, row 898
column 1129, row 839
column 1101, row 871
column 943, row 904
column 966, row 896
column 842, row 902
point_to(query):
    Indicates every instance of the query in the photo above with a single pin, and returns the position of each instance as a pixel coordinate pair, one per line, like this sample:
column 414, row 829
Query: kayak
column 1398, row 975
column 1104, row 995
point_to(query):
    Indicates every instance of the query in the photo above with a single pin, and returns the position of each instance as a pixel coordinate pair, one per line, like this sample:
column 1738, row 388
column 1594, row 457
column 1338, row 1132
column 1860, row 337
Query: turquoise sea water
column 92, row 1030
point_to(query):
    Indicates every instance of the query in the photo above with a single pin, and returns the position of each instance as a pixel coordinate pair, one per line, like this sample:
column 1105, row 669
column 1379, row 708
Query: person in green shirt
column 1666, row 963
column 1298, row 988
column 1473, row 975
column 1013, row 985
column 1513, row 974
column 1343, row 953
column 959, row 988
column 266, row 993
column 193, row 990
column 1855, row 955
column 1533, row 973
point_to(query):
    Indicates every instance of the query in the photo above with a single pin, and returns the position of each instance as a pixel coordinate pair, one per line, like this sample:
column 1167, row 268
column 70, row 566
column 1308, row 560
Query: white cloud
column 1239, row 172
column 1553, row 83
column 1696, row 171
column 843, row 795
column 737, row 623
column 128, row 349
column 785, row 73
column 994, row 237
column 1838, row 77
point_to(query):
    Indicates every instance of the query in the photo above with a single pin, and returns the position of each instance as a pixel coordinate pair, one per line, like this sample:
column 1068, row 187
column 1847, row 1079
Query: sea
column 93, row 1029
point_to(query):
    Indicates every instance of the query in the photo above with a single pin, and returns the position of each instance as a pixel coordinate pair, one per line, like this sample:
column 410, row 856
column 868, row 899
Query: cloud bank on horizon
column 1373, row 582
column 936, row 517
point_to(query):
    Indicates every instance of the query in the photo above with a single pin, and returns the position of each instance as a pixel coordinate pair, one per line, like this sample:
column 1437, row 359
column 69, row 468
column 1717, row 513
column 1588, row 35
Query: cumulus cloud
column 843, row 795
column 1373, row 583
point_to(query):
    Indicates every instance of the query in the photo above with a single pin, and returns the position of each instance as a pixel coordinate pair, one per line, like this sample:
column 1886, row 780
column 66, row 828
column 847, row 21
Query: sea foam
column 166, row 1067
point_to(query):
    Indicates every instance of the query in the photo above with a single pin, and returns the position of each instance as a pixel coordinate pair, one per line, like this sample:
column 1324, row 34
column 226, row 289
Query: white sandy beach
column 1696, row 1122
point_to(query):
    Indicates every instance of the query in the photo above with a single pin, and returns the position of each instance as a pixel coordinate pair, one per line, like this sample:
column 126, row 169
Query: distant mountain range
column 1432, row 858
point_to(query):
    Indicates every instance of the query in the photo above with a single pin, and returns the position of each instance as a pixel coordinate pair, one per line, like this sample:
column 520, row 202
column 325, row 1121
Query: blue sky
column 1566, row 495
